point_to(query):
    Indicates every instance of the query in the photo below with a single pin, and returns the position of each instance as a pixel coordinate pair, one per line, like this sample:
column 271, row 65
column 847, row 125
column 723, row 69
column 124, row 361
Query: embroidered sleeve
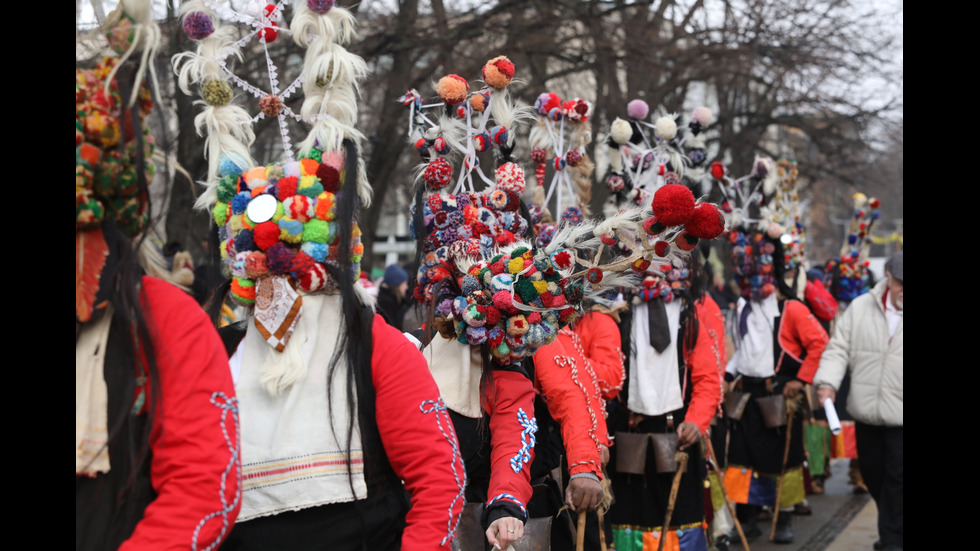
column 511, row 437
column 418, row 438
column 445, row 424
column 195, row 469
column 573, row 401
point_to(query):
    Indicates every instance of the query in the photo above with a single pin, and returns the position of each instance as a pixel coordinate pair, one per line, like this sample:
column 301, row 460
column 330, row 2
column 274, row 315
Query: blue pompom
column 231, row 164
column 240, row 202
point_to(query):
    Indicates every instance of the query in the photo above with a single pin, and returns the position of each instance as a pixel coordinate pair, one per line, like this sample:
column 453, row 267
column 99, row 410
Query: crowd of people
column 576, row 381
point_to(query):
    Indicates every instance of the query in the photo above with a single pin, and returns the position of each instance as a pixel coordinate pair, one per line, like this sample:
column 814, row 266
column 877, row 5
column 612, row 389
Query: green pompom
column 317, row 231
column 227, row 188
column 216, row 93
column 220, row 213
column 525, row 289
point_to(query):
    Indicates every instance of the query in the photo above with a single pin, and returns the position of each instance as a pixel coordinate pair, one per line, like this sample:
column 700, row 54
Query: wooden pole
column 724, row 492
column 681, row 459
column 782, row 473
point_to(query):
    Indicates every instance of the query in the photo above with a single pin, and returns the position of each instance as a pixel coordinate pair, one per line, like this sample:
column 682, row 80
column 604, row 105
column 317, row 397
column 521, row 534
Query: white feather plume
column 338, row 25
column 228, row 130
column 331, row 63
column 509, row 113
column 201, row 66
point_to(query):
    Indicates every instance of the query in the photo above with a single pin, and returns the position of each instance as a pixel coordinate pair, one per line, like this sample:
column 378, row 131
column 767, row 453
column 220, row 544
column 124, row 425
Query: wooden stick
column 681, row 459
column 724, row 492
column 602, row 530
column 580, row 536
column 782, row 473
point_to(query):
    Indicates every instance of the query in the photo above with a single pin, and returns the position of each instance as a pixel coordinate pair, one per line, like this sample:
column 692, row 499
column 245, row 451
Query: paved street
column 841, row 521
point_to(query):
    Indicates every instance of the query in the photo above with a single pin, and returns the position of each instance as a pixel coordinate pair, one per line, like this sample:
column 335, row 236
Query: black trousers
column 882, row 464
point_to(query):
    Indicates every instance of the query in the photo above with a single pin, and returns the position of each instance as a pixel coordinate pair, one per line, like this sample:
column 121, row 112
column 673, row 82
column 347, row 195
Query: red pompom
column 574, row 157
column 661, row 248
column 329, row 177
column 437, row 173
column 686, row 241
column 286, row 187
column 270, row 33
column 707, row 222
column 717, row 170
column 270, row 105
column 653, row 226
column 594, row 275
column 266, row 235
column 673, row 204
column 539, row 154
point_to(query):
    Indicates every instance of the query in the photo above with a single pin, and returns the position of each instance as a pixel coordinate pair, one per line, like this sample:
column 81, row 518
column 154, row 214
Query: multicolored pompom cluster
column 296, row 234
column 107, row 175
column 666, row 286
column 467, row 225
column 854, row 280
column 514, row 302
column 752, row 263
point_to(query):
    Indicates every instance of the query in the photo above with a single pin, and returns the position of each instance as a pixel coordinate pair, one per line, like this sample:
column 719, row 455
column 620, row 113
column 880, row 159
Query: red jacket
column 567, row 378
column 706, row 364
column 418, row 438
column 195, row 467
column 800, row 331
column 710, row 316
column 601, row 342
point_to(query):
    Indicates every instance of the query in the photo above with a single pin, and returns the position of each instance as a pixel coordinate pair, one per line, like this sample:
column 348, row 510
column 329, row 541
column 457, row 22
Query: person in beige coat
column 868, row 342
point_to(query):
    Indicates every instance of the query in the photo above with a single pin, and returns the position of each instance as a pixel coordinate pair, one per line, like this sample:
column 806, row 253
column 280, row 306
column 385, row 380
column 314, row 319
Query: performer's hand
column 687, row 433
column 603, row 454
column 504, row 531
column 792, row 388
column 825, row 392
column 583, row 494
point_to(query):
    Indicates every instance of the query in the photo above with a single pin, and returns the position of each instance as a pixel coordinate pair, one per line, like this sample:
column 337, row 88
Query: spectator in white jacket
column 868, row 342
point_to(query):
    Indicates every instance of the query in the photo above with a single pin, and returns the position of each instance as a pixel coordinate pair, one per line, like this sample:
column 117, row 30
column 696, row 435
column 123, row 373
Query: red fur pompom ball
column 673, row 204
column 437, row 173
column 717, row 170
column 707, row 222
